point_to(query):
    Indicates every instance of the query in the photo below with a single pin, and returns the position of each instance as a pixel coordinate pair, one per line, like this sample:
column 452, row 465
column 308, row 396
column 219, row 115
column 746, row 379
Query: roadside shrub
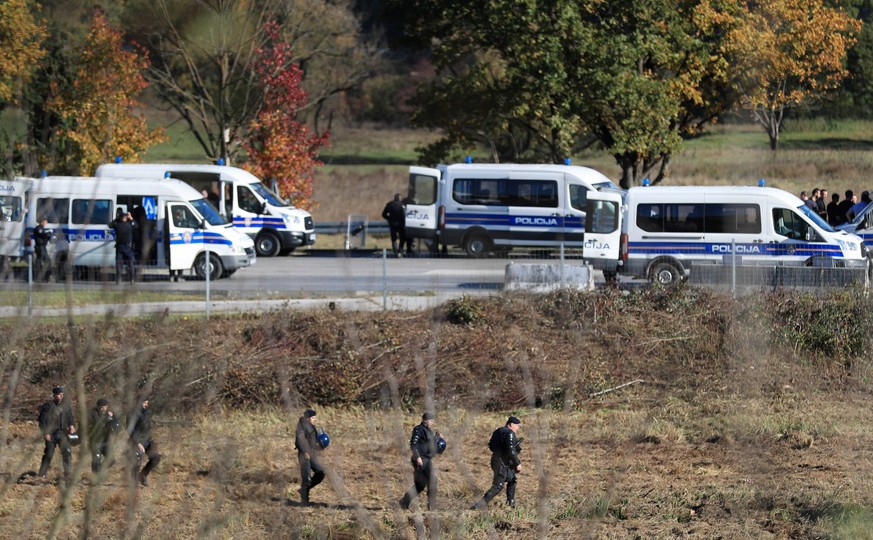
column 465, row 310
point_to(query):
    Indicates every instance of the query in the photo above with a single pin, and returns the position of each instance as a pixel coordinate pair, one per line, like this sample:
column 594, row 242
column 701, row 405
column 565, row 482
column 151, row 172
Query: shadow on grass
column 827, row 143
column 352, row 159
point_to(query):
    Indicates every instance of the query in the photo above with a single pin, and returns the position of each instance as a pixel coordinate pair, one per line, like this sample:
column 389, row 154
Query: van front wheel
column 664, row 273
column 267, row 245
column 215, row 268
column 477, row 245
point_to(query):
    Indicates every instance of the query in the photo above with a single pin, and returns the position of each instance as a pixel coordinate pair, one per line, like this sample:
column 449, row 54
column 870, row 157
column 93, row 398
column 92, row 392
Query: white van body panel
column 79, row 210
column 493, row 206
column 276, row 227
column 13, row 207
column 686, row 226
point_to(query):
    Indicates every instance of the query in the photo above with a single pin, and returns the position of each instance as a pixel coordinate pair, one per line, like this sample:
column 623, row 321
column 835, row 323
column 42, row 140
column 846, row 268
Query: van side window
column 183, row 218
column 85, row 211
column 733, row 218
column 578, row 196
column 247, row 200
column 787, row 223
column 10, row 208
column 54, row 210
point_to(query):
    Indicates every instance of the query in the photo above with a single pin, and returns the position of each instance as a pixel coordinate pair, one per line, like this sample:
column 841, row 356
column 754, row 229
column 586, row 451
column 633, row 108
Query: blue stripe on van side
column 721, row 248
column 259, row 221
column 503, row 220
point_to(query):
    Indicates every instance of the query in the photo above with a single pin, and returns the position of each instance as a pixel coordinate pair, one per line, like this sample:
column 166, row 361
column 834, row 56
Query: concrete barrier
column 548, row 277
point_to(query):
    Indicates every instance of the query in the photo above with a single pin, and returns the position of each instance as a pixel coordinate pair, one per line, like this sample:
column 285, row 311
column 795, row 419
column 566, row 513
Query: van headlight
column 292, row 220
column 237, row 249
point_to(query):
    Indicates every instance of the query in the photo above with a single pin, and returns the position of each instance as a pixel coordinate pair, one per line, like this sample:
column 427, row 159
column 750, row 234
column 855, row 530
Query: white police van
column 12, row 211
column 483, row 207
column 276, row 226
column 177, row 225
column 666, row 230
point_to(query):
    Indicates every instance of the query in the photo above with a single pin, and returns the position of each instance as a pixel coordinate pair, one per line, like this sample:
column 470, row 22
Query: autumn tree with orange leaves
column 785, row 54
column 21, row 37
column 279, row 147
column 97, row 111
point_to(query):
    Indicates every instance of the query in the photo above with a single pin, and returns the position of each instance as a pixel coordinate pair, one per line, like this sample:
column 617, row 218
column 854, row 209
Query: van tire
column 477, row 245
column 267, row 244
column 217, row 269
column 664, row 273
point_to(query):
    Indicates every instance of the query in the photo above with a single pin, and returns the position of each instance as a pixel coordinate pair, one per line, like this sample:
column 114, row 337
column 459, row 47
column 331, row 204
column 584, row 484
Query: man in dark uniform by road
column 308, row 448
column 101, row 425
column 41, row 237
column 423, row 444
column 504, row 446
column 123, row 226
column 56, row 426
column 140, row 430
column 395, row 214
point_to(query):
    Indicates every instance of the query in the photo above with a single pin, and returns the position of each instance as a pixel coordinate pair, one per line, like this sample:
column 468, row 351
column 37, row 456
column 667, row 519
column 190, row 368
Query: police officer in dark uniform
column 140, row 430
column 423, row 444
column 41, row 237
column 101, row 425
column 123, row 225
column 395, row 214
column 56, row 426
column 505, row 448
column 308, row 448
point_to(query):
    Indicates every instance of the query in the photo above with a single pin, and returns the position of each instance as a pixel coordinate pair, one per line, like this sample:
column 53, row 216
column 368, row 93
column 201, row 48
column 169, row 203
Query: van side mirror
column 202, row 224
column 264, row 208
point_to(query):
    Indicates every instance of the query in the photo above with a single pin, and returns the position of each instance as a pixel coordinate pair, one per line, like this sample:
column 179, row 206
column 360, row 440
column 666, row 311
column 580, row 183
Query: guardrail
column 340, row 227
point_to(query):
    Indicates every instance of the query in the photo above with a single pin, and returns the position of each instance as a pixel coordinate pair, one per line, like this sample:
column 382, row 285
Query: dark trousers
column 503, row 474
column 311, row 474
column 124, row 254
column 59, row 438
column 154, row 457
column 100, row 456
column 398, row 236
column 41, row 265
column 422, row 477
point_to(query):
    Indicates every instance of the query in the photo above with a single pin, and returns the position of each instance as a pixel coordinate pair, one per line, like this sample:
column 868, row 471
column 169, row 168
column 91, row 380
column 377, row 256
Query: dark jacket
column 306, row 436
column 140, row 425
column 100, row 426
column 504, row 444
column 123, row 232
column 423, row 442
column 54, row 417
column 395, row 213
column 41, row 235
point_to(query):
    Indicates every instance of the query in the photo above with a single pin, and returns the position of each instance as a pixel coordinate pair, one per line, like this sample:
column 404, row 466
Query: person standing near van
column 123, row 225
column 308, row 448
column 833, row 209
column 847, row 203
column 395, row 214
column 505, row 464
column 56, row 425
column 41, row 237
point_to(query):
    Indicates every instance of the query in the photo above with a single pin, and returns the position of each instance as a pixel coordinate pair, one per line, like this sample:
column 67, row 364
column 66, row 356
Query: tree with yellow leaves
column 21, row 37
column 97, row 110
column 785, row 54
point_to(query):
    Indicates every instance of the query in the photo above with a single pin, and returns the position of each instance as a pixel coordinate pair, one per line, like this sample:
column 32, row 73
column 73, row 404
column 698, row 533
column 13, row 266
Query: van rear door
column 12, row 208
column 421, row 202
column 603, row 220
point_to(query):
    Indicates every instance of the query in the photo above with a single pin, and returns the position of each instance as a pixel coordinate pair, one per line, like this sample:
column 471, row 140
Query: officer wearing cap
column 423, row 444
column 308, row 446
column 504, row 446
column 56, row 426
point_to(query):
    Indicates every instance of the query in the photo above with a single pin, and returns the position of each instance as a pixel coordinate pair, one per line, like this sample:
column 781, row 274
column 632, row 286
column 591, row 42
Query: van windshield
column 815, row 218
column 606, row 184
column 209, row 212
column 268, row 195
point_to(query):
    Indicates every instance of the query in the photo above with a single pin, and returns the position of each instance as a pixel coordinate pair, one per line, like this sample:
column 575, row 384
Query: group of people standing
column 836, row 212
column 58, row 429
column 425, row 444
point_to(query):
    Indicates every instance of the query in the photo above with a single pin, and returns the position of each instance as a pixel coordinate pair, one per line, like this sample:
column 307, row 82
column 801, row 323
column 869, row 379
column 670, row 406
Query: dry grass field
column 750, row 419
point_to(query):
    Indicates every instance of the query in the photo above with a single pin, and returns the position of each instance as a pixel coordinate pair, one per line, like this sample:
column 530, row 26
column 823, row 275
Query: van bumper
column 295, row 239
column 235, row 262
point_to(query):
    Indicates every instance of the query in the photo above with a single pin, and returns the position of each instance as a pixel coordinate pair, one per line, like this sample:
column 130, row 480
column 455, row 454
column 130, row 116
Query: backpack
column 496, row 442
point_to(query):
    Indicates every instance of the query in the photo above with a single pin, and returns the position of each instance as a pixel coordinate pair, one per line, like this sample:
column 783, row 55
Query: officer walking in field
column 140, row 431
column 309, row 441
column 56, row 425
column 101, row 425
column 425, row 445
column 505, row 447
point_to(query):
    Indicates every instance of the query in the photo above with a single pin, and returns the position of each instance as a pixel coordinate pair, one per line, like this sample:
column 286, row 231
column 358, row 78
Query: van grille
column 307, row 223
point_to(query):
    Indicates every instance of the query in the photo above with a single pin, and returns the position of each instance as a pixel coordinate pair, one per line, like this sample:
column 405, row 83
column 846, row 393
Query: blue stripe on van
column 258, row 221
column 504, row 220
column 722, row 248
column 205, row 237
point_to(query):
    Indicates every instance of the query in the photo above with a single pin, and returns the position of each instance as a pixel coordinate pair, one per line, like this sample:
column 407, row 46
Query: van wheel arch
column 200, row 266
column 666, row 272
column 267, row 243
column 477, row 243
